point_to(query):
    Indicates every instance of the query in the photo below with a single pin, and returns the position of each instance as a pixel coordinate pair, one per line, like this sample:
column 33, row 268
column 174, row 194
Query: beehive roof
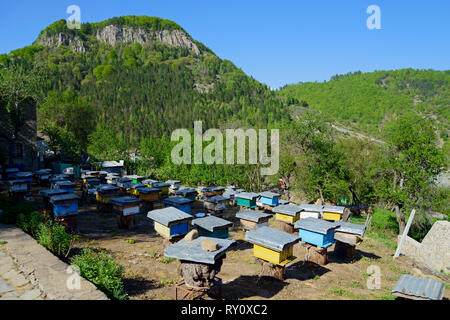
column 271, row 238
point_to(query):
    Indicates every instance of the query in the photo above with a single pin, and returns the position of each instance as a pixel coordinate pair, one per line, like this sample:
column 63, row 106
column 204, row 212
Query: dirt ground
column 149, row 275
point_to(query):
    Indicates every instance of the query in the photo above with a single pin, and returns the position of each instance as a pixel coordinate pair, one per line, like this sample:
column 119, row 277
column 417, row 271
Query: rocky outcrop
column 113, row 34
column 74, row 42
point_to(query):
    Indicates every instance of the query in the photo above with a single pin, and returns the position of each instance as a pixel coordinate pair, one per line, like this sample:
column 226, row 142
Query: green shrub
column 55, row 238
column 30, row 223
column 103, row 271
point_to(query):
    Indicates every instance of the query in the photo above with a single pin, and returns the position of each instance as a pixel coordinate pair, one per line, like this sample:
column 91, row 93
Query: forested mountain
column 141, row 77
column 365, row 101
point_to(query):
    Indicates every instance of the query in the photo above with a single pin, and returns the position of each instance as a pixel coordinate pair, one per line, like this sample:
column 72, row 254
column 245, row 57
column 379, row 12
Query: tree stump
column 344, row 249
column 286, row 227
column 271, row 270
column 199, row 275
column 316, row 254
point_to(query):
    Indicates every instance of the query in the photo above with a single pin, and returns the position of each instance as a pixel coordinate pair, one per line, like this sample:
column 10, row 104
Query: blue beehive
column 11, row 173
column 65, row 204
column 211, row 226
column 187, row 193
column 170, row 222
column 28, row 176
column 183, row 204
column 316, row 231
column 269, row 198
column 65, row 185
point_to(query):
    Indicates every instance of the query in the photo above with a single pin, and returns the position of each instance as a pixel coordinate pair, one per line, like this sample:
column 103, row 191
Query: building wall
column 27, row 138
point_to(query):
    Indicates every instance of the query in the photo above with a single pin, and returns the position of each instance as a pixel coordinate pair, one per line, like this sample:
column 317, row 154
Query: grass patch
column 340, row 292
column 3, row 242
column 356, row 284
column 316, row 277
column 164, row 283
column 130, row 241
column 166, row 260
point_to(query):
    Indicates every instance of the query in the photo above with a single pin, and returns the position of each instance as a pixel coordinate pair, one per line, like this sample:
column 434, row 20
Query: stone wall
column 434, row 250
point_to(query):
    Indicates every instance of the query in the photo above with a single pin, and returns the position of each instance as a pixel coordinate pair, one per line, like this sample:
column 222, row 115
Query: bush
column 30, row 223
column 103, row 271
column 55, row 238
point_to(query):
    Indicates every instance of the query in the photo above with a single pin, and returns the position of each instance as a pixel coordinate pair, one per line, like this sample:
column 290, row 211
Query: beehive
column 287, row 213
column 135, row 178
column 317, row 232
column 28, row 176
column 180, row 203
column 149, row 182
column 106, row 192
column 163, row 186
column 46, row 194
column 272, row 245
column 65, row 185
column 218, row 190
column 251, row 219
column 42, row 176
column 170, row 222
column 18, row 186
column 134, row 188
column 126, row 209
column 174, row 185
column 333, row 213
column 269, row 198
column 246, row 199
column 113, row 167
column 147, row 194
column 311, row 211
column 187, row 193
column 11, row 173
column 216, row 203
column 211, row 226
column 64, row 204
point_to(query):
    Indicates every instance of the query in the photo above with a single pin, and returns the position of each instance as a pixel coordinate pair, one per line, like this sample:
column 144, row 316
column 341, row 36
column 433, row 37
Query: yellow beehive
column 332, row 216
column 287, row 218
column 104, row 199
column 153, row 196
column 279, row 258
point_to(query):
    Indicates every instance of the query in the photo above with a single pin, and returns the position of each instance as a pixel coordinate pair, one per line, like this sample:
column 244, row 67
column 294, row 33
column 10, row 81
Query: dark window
column 18, row 150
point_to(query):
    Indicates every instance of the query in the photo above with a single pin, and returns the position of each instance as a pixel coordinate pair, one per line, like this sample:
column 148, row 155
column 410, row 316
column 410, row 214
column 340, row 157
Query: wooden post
column 271, row 270
column 405, row 233
column 345, row 249
column 286, row 227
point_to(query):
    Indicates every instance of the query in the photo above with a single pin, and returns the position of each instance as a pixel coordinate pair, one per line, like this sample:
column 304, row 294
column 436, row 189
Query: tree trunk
column 400, row 219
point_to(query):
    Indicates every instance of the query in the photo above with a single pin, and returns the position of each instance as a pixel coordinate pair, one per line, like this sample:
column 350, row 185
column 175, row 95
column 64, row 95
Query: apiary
column 125, row 209
column 246, row 200
column 180, row 203
column 274, row 247
column 201, row 260
column 252, row 219
column 170, row 223
column 187, row 193
column 211, row 226
column 215, row 204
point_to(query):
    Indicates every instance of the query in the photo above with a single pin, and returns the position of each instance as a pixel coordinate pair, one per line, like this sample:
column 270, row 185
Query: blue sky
column 276, row 42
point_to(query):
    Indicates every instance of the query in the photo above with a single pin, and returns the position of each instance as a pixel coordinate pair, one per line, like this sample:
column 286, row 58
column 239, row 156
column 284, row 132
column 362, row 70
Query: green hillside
column 365, row 101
